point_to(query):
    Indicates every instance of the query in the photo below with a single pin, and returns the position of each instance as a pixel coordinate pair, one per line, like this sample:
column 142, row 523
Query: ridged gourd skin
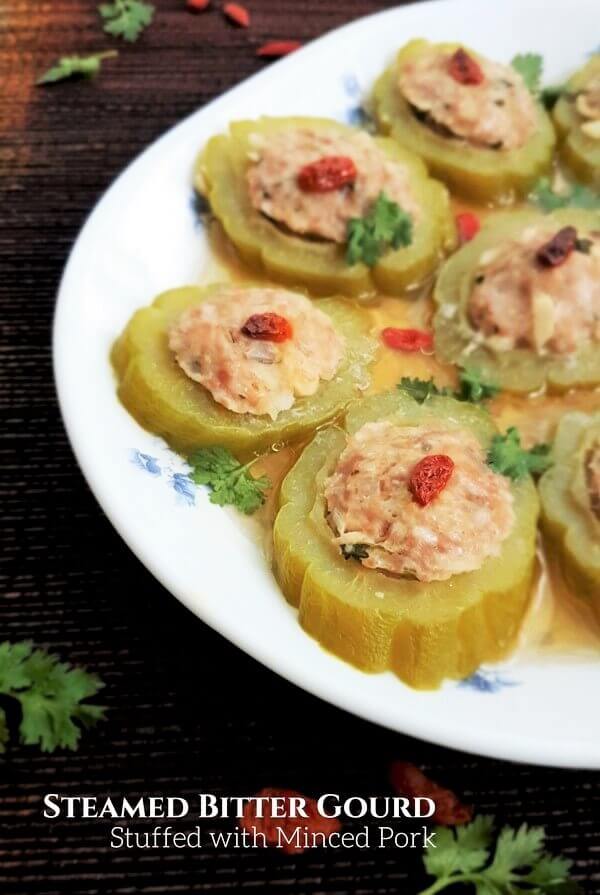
column 520, row 370
column 580, row 152
column 423, row 632
column 479, row 174
column 164, row 400
column 572, row 529
column 319, row 266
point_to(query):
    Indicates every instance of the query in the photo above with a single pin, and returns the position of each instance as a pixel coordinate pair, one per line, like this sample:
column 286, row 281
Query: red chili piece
column 327, row 174
column 407, row 339
column 557, row 250
column 237, row 14
column 464, row 69
column 468, row 226
column 408, row 780
column 270, row 825
column 268, row 327
column 275, row 48
column 198, row 5
column 429, row 477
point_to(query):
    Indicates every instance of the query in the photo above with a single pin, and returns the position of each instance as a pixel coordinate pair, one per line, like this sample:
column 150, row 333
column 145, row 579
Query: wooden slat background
column 188, row 712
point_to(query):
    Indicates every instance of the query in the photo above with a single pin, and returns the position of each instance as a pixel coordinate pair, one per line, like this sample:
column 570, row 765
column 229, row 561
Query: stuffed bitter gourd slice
column 484, row 135
column 299, row 238
column 424, row 631
column 577, row 119
column 164, row 399
column 570, row 498
column 523, row 322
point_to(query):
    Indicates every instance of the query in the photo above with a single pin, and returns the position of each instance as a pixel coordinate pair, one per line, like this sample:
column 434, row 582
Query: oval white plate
column 143, row 237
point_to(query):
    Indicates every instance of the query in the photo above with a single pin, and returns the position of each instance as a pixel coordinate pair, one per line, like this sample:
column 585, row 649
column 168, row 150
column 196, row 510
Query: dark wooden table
column 188, row 712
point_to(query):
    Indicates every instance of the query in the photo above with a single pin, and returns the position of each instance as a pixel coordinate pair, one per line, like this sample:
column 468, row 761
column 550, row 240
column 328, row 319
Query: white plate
column 143, row 237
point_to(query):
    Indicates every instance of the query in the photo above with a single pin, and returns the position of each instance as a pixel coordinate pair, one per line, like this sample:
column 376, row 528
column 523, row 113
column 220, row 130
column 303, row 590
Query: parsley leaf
column 471, row 387
column 72, row 66
column 386, row 225
column 507, row 456
column 519, row 863
column 577, row 197
column 530, row 66
column 355, row 551
column 51, row 696
column 230, row 482
column 126, row 18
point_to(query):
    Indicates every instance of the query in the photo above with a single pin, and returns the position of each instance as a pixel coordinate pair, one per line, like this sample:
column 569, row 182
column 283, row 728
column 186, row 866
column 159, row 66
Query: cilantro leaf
column 126, row 18
column 385, row 226
column 519, row 863
column 578, row 196
column 551, row 95
column 230, row 482
column 471, row 387
column 4, row 731
column 507, row 456
column 72, row 66
column 530, row 66
column 50, row 694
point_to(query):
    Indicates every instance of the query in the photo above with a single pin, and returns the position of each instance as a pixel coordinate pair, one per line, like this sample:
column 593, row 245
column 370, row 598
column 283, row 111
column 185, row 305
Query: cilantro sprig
column 51, row 695
column 471, row 387
column 507, row 456
column 577, row 196
column 230, row 481
column 385, row 226
column 76, row 66
column 531, row 67
column 517, row 863
column 126, row 18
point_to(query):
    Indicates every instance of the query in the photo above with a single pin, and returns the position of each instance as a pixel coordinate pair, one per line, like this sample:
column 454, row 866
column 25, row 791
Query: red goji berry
column 237, row 14
column 197, row 5
column 556, row 251
column 407, row 339
column 429, row 477
column 271, row 826
column 275, row 48
column 464, row 69
column 408, row 780
column 268, row 327
column 468, row 226
column 327, row 174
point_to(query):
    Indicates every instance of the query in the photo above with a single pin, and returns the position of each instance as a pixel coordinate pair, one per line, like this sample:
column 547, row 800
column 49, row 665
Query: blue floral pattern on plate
column 487, row 680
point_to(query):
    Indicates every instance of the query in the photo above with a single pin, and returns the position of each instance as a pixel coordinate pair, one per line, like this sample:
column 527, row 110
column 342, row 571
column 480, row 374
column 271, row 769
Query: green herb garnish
column 471, row 387
column 551, row 95
column 50, row 694
column 126, row 18
column 577, row 196
column 507, row 456
column 530, row 66
column 73, row 66
column 386, row 225
column 230, row 482
column 517, row 864
column 355, row 551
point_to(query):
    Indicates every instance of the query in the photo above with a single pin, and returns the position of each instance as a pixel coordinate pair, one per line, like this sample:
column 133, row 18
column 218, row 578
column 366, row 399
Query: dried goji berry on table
column 270, row 826
column 464, row 69
column 468, row 226
column 408, row 780
column 237, row 14
column 407, row 339
column 429, row 477
column 327, row 174
column 269, row 327
column 198, row 5
column 556, row 251
column 275, row 48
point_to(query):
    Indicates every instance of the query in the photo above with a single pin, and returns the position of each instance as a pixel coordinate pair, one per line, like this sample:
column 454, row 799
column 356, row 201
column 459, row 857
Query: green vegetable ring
column 160, row 396
column 569, row 519
column 580, row 152
column 320, row 266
